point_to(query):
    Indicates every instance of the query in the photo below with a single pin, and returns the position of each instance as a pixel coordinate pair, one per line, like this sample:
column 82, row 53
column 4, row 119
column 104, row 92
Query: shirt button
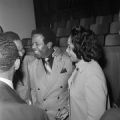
column 61, row 86
column 44, row 99
column 77, row 69
column 58, row 97
column 46, row 110
column 58, row 109
column 38, row 88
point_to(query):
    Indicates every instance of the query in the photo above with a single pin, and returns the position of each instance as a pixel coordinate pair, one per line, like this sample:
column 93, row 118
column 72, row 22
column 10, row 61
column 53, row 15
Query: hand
column 63, row 114
column 29, row 102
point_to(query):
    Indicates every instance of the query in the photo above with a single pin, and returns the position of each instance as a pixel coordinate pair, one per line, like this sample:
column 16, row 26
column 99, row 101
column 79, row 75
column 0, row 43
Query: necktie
column 47, row 66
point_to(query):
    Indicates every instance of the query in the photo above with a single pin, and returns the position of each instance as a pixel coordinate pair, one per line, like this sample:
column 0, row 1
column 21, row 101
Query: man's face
column 20, row 47
column 39, row 47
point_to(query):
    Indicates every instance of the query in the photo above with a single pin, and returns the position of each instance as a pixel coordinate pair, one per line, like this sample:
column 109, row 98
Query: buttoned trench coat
column 48, row 91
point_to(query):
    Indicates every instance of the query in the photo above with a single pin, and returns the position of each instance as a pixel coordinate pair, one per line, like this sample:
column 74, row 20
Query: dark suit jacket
column 12, row 107
column 111, row 114
column 7, row 94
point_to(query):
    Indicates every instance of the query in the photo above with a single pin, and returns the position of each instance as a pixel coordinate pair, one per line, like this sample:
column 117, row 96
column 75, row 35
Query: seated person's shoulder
column 111, row 114
column 37, row 111
column 15, row 111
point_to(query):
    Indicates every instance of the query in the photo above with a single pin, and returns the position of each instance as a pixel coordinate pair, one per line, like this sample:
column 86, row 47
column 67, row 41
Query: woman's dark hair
column 85, row 44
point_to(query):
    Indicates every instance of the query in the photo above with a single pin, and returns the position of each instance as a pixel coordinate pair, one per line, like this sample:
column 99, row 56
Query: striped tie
column 47, row 66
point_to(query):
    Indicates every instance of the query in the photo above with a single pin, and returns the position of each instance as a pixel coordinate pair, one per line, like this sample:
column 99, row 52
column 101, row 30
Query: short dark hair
column 48, row 34
column 8, row 53
column 85, row 44
column 10, row 35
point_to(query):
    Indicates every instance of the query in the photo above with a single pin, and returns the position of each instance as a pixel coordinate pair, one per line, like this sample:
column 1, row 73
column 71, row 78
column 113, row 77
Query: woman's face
column 70, row 51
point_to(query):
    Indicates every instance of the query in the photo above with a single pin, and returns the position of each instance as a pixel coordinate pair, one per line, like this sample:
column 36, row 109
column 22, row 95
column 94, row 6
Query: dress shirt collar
column 6, row 81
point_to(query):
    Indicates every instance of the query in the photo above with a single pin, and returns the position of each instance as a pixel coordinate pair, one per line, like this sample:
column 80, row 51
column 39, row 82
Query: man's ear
column 17, row 64
column 49, row 45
